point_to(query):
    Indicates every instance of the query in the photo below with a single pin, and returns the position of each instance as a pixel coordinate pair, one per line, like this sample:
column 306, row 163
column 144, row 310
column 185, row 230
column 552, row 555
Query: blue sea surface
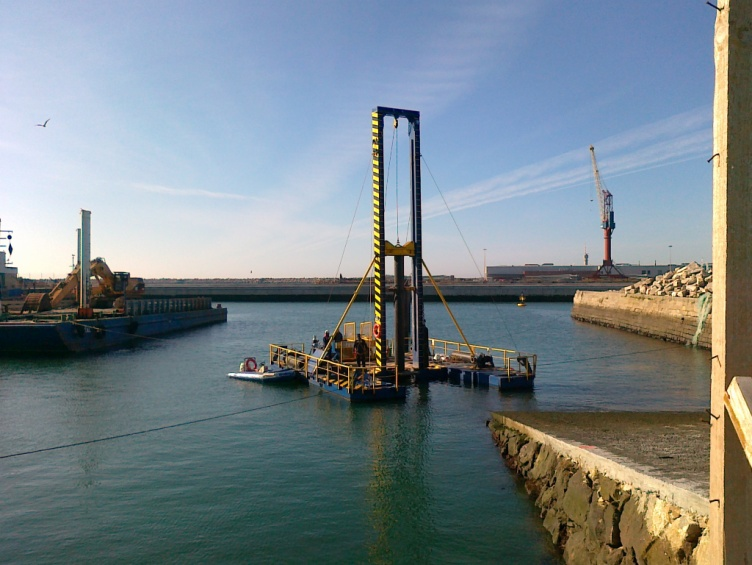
column 209, row 469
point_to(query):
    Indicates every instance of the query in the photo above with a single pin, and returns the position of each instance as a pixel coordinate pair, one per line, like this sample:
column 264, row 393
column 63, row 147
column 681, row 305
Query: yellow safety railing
column 503, row 359
column 330, row 372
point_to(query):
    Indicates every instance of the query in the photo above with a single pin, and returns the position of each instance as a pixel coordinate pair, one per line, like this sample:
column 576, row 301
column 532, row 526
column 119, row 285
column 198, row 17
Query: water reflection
column 319, row 480
column 401, row 506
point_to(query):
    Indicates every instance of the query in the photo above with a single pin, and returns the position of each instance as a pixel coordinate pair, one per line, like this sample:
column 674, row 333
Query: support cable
column 451, row 215
column 477, row 268
column 352, row 223
column 389, row 166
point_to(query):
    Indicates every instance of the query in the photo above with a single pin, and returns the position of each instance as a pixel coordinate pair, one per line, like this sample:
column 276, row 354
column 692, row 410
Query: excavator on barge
column 110, row 311
column 107, row 288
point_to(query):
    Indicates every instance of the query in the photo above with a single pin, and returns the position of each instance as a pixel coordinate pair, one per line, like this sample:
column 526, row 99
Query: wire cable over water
column 349, row 231
column 256, row 408
column 472, row 258
column 157, row 429
column 629, row 354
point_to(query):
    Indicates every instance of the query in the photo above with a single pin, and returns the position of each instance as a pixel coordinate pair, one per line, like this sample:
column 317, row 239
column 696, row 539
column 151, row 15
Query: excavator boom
column 109, row 287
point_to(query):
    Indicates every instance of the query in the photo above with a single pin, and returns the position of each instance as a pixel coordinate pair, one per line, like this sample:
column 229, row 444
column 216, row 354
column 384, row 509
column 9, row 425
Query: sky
column 233, row 139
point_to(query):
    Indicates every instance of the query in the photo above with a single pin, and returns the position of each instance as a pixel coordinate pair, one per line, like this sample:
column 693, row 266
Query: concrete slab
column 673, row 447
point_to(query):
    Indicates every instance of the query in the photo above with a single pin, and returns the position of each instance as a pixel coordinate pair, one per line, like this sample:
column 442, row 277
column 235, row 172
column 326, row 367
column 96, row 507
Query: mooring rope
column 157, row 429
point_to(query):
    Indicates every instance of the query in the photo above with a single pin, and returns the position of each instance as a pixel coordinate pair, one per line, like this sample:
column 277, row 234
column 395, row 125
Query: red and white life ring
column 377, row 330
column 250, row 364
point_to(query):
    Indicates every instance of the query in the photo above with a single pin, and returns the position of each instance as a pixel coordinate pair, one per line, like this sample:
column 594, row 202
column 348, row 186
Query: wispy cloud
column 678, row 138
column 458, row 47
column 456, row 55
column 673, row 140
column 187, row 192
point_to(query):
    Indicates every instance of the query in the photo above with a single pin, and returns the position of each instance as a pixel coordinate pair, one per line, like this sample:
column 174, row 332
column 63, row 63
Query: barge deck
column 63, row 331
column 503, row 369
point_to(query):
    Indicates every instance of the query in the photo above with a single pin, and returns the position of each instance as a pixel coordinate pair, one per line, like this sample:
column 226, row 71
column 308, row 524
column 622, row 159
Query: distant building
column 572, row 272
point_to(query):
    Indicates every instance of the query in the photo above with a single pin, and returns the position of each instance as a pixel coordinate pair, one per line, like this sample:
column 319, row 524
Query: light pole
column 669, row 257
column 485, row 271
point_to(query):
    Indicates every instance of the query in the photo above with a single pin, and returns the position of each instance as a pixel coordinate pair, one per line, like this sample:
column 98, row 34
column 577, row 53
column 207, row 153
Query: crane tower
column 606, row 201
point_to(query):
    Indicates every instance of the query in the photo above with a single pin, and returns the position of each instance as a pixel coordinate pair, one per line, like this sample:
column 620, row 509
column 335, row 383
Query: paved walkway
column 671, row 446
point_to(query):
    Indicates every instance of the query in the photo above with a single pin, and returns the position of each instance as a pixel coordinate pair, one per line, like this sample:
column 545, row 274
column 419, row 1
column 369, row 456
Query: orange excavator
column 107, row 286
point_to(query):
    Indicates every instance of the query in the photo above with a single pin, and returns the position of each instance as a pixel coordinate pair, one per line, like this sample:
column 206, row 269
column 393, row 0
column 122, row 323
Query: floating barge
column 479, row 365
column 114, row 316
column 385, row 366
column 344, row 379
column 64, row 331
column 453, row 361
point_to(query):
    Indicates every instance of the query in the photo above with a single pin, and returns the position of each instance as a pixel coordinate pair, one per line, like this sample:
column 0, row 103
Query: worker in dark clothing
column 361, row 351
column 326, row 344
column 337, row 345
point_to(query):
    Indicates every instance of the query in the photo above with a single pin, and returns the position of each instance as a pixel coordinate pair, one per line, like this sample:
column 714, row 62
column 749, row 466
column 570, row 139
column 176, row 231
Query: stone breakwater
column 690, row 281
column 674, row 307
column 675, row 319
column 598, row 511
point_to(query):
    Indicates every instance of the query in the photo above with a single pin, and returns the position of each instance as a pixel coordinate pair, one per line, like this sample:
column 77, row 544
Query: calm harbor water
column 294, row 475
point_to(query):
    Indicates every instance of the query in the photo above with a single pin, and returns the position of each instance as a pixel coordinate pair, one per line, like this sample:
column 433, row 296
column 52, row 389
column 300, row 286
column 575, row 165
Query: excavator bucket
column 36, row 302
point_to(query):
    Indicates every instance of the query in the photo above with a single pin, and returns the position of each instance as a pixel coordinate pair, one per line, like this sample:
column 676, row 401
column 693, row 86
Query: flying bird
column 44, row 125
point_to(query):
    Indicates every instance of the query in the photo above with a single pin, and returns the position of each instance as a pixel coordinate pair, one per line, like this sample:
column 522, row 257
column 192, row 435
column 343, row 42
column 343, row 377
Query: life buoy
column 377, row 330
column 250, row 364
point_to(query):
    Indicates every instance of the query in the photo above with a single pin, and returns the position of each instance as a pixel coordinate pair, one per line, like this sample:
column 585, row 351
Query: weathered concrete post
column 730, row 473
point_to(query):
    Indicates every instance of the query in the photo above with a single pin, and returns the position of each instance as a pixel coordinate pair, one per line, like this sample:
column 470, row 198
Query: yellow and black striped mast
column 379, row 237
column 382, row 248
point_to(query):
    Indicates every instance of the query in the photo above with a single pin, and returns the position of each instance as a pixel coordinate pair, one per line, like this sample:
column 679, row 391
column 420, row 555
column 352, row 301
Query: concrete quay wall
column 665, row 317
column 599, row 510
column 342, row 292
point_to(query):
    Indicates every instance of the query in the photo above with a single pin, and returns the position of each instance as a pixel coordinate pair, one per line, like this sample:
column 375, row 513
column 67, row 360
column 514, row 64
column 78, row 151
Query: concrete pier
column 623, row 487
column 680, row 320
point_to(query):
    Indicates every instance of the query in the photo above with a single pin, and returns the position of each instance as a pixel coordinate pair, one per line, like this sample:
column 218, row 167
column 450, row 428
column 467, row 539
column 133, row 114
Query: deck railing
column 321, row 370
column 511, row 361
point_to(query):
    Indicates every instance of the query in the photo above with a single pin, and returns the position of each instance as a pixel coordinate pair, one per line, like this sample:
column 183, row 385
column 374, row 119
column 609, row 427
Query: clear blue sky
column 216, row 139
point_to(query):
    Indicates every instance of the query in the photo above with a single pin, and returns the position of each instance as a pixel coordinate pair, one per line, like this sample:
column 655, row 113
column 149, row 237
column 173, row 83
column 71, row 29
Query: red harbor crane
column 606, row 201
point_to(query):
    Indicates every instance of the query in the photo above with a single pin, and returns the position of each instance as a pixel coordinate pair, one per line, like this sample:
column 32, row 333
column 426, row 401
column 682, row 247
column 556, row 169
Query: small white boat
column 271, row 373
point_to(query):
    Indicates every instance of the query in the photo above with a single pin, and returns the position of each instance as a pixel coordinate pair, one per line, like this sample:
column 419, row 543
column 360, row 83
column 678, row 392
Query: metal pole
column 84, row 255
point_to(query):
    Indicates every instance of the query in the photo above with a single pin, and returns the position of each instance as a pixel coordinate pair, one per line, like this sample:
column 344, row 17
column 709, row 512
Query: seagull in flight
column 44, row 125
